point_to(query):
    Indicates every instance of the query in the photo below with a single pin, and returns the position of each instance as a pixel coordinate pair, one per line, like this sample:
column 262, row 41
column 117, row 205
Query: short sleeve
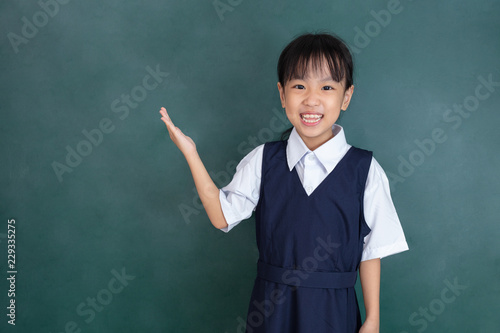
column 240, row 197
column 386, row 236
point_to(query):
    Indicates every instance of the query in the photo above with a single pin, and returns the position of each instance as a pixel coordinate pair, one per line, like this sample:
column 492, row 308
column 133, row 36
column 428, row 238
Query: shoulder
column 264, row 151
column 275, row 144
column 362, row 153
column 377, row 178
column 360, row 159
column 255, row 151
column 253, row 158
column 275, row 149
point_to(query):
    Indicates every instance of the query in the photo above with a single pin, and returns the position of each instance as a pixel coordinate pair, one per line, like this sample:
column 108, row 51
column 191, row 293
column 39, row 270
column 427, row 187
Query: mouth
column 311, row 119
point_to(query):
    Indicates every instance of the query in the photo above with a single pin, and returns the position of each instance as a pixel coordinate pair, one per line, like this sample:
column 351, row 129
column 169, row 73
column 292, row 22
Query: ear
column 282, row 95
column 347, row 98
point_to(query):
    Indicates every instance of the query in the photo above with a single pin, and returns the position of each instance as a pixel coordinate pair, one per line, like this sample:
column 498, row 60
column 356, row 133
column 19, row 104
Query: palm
column 182, row 141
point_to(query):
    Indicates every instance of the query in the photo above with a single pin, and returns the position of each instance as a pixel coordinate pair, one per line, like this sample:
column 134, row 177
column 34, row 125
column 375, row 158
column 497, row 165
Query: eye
column 328, row 88
column 299, row 86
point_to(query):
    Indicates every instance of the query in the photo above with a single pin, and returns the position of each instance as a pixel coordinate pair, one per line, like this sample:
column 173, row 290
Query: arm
column 369, row 272
column 208, row 191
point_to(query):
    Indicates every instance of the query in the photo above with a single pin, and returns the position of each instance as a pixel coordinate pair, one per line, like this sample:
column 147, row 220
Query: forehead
column 310, row 72
column 322, row 73
column 313, row 68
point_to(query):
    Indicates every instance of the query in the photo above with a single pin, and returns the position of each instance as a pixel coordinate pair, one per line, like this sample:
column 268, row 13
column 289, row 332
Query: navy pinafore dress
column 309, row 247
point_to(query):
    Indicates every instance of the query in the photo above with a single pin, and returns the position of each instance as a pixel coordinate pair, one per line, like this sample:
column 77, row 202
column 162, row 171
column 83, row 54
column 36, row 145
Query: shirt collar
column 328, row 153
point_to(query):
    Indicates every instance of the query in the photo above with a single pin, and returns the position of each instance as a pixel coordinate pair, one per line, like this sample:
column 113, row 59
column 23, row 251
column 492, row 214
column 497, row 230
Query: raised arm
column 207, row 190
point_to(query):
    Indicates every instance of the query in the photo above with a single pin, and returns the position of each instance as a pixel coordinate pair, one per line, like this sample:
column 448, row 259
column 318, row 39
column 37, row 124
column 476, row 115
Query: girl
column 323, row 208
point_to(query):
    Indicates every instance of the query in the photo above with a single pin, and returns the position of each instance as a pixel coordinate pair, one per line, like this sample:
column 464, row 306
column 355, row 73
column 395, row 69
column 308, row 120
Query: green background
column 129, row 204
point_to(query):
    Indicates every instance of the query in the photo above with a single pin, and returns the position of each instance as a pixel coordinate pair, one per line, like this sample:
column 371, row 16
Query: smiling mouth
column 311, row 118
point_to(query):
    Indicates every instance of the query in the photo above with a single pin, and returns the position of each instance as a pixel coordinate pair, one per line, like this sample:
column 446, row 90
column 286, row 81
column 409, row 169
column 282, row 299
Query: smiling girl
column 323, row 208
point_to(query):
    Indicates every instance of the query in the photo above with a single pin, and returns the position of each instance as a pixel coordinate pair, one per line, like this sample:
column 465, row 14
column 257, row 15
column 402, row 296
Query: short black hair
column 313, row 49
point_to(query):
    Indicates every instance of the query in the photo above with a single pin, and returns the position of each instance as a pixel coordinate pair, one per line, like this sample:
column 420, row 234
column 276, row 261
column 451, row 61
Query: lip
column 310, row 121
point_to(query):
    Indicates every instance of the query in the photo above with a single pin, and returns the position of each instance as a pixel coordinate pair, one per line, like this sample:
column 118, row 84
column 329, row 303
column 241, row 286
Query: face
column 313, row 104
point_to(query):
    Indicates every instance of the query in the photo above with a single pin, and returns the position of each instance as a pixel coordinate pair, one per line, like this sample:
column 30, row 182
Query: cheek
column 338, row 102
column 293, row 117
column 289, row 101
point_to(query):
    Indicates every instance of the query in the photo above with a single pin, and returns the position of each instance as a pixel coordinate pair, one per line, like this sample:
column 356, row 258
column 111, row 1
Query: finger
column 165, row 120
column 164, row 113
column 168, row 123
column 166, row 116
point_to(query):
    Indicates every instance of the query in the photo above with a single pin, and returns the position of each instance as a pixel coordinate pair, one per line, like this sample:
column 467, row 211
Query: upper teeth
column 311, row 118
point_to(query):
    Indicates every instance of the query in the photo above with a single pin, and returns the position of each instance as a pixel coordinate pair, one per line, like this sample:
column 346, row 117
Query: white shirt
column 240, row 197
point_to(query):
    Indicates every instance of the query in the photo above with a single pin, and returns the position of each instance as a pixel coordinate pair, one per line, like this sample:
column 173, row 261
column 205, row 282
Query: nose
column 311, row 99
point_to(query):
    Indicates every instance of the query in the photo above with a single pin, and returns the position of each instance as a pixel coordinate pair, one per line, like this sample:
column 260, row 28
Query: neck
column 314, row 143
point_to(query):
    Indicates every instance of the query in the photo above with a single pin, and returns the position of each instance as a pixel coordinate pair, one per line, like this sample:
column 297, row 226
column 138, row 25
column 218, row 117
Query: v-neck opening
column 339, row 166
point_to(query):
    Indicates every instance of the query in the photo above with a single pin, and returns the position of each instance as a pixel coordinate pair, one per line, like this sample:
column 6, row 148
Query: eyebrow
column 325, row 79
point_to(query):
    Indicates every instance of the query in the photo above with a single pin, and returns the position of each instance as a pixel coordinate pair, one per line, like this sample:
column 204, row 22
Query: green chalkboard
column 109, row 233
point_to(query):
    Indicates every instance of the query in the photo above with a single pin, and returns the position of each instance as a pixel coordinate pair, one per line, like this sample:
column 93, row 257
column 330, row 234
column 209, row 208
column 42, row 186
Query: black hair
column 313, row 49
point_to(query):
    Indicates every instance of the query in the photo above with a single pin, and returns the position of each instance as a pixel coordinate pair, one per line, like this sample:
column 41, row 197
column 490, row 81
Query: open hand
column 185, row 144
